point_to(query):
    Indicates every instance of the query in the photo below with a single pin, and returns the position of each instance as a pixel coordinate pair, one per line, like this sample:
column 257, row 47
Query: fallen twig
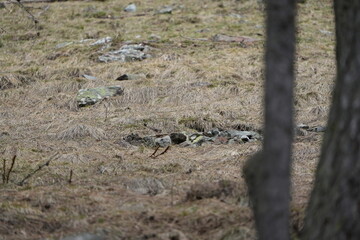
column 20, row 4
column 38, row 169
column 11, row 168
column 152, row 155
column 2, row 30
column 4, row 171
column 70, row 177
column 163, row 152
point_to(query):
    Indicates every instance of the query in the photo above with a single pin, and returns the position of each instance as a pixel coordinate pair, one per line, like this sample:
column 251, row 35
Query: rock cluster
column 214, row 136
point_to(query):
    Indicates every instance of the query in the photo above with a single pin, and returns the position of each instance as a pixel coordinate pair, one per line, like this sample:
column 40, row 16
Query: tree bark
column 334, row 207
column 268, row 173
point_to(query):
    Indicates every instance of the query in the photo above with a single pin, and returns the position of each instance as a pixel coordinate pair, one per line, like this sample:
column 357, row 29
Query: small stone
column 318, row 129
column 165, row 10
column 88, row 77
column 212, row 133
column 134, row 139
column 130, row 8
column 131, row 77
column 245, row 138
column 64, row 44
column 177, row 138
column 163, row 142
column 325, row 32
column 149, row 141
column 303, row 126
column 102, row 41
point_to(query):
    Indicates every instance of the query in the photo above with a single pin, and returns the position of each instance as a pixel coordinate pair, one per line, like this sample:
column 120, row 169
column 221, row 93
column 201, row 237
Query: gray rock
column 88, row 77
column 64, row 44
column 149, row 141
column 131, row 77
column 303, row 126
column 84, row 236
column 2, row 5
column 245, row 138
column 134, row 139
column 91, row 96
column 325, row 32
column 177, row 138
column 165, row 10
column 244, row 135
column 199, row 139
column 127, row 53
column 317, row 129
column 163, row 141
column 130, row 8
column 235, row 15
column 102, row 41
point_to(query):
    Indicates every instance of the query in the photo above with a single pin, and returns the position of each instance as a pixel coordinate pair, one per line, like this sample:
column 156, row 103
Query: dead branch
column 155, row 156
column 21, row 183
column 4, row 171
column 70, row 177
column 11, row 168
column 20, row 4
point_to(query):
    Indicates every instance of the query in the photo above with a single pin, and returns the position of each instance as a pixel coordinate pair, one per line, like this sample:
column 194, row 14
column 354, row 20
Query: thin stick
column 38, row 169
column 106, row 111
column 4, row 171
column 153, row 155
column 70, row 178
column 166, row 149
column 26, row 10
column 11, row 168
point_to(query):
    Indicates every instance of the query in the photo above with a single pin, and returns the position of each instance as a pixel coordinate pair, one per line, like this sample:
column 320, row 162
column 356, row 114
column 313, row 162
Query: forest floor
column 94, row 182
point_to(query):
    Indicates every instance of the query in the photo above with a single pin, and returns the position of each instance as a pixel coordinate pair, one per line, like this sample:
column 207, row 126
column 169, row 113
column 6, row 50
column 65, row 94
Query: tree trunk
column 334, row 207
column 268, row 173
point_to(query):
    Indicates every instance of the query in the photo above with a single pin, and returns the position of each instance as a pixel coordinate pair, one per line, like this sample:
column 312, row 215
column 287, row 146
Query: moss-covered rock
column 91, row 96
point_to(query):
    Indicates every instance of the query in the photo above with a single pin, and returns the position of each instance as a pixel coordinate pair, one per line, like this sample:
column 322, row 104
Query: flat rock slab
column 127, row 53
column 91, row 96
column 214, row 136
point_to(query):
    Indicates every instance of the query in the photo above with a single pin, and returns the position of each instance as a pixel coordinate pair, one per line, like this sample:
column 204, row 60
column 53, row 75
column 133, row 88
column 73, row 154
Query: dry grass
column 190, row 84
column 80, row 131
